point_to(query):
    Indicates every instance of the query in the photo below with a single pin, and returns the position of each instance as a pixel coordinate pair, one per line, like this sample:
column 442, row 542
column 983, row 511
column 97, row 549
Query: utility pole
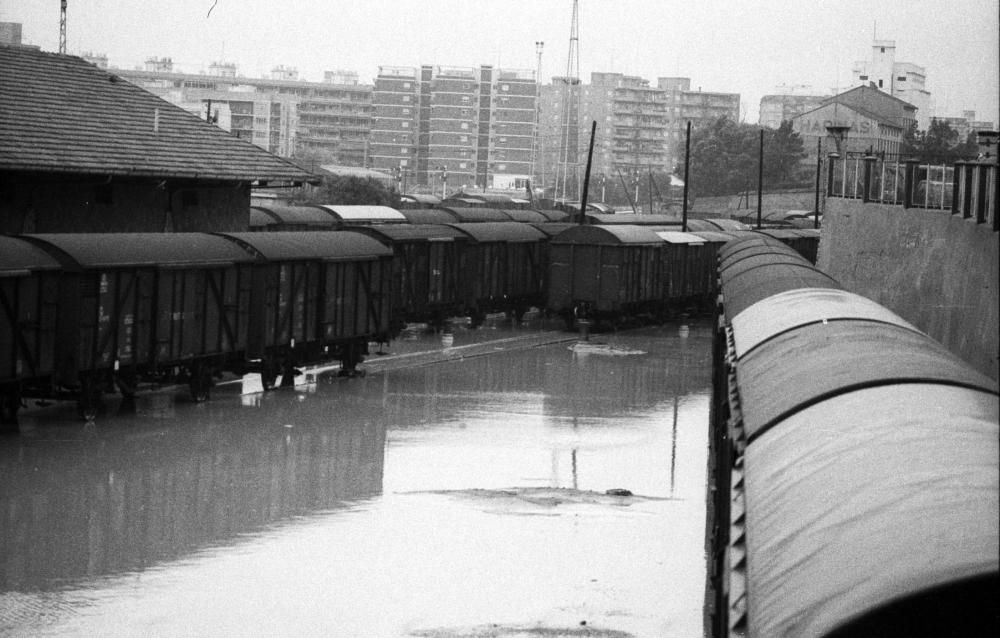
column 537, row 158
column 62, row 27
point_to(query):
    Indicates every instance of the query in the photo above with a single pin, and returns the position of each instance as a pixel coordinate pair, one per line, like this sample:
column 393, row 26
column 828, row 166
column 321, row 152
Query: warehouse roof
column 61, row 114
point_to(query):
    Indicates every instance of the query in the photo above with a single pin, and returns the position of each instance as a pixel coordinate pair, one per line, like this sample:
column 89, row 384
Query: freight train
column 855, row 464
column 82, row 315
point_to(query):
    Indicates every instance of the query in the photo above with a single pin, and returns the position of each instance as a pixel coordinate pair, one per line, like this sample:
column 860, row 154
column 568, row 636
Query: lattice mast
column 62, row 27
column 569, row 133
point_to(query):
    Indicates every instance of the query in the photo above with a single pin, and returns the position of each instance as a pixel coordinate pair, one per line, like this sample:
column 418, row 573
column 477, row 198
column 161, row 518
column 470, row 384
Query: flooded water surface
column 556, row 490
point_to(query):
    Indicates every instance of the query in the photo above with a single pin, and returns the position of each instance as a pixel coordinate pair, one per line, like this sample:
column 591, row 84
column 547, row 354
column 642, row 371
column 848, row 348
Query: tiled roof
column 59, row 113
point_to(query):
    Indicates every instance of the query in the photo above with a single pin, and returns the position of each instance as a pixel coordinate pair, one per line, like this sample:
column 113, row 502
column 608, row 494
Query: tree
column 783, row 155
column 725, row 156
column 939, row 144
column 350, row 190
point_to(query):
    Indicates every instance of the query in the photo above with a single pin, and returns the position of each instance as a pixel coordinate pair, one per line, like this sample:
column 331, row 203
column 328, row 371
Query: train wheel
column 200, row 384
column 88, row 404
column 10, row 403
column 268, row 374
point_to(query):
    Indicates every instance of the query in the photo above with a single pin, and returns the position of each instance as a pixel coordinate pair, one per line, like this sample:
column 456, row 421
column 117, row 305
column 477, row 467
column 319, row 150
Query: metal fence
column 966, row 188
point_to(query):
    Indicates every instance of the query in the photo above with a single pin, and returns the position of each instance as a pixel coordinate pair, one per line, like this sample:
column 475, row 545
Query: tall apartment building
column 787, row 102
column 966, row 124
column 904, row 80
column 320, row 122
column 471, row 127
column 631, row 121
column 562, row 139
column 698, row 107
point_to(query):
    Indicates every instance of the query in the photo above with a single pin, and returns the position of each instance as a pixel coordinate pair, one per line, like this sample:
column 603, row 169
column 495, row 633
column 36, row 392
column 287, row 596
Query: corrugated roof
column 412, row 232
column 677, row 237
column 59, row 113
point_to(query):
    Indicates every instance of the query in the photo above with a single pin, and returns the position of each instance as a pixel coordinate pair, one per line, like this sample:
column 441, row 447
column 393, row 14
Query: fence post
column 981, row 197
column 869, row 173
column 956, row 186
column 909, row 179
column 830, row 167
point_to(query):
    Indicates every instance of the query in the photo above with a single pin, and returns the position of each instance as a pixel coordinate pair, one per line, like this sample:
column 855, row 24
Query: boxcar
column 428, row 216
column 363, row 215
column 29, row 308
column 284, row 217
column 316, row 296
column 604, row 273
column 147, row 306
column 427, row 283
column 503, row 265
column 474, row 215
column 686, row 267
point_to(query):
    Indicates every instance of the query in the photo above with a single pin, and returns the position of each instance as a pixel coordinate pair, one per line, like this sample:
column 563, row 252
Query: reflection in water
column 84, row 502
column 460, row 498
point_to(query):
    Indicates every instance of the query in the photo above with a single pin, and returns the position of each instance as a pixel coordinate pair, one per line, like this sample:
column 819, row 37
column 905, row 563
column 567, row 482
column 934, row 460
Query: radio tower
column 62, row 27
column 569, row 133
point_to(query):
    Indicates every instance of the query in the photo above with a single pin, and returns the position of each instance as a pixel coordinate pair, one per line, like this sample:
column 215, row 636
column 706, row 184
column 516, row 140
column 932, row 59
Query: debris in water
column 618, row 491
column 589, row 347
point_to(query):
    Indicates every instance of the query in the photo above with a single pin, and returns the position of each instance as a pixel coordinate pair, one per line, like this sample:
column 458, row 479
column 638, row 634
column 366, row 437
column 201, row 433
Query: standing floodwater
column 464, row 498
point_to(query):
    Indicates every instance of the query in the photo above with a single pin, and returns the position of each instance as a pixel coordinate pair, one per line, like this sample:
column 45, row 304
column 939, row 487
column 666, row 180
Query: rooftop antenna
column 62, row 27
column 571, row 80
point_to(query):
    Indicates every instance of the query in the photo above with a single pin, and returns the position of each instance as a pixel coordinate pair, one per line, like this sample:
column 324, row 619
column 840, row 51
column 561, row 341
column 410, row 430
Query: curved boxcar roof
column 501, row 231
column 477, row 214
column 814, row 563
column 393, row 233
column 365, row 214
column 120, row 250
column 700, row 224
column 751, row 286
column 342, row 245
column 552, row 214
column 633, row 219
column 303, row 215
column 590, row 234
column 429, row 216
column 733, row 253
column 795, row 308
column 20, row 257
column 714, row 236
column 728, row 224
column 551, row 229
column 527, row 216
column 814, row 362
column 260, row 218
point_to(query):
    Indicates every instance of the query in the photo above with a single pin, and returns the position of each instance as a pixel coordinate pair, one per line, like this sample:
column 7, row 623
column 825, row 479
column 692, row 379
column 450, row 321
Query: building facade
column 454, row 127
column 904, row 80
column 313, row 122
column 697, row 107
column 784, row 104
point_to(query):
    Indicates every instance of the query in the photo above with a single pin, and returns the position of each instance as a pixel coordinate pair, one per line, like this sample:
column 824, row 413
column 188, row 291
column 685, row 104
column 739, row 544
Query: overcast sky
column 739, row 46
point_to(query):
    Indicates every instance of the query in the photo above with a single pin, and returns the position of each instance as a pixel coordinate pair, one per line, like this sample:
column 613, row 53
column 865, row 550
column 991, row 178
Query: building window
column 406, row 125
column 504, row 87
column 901, row 78
column 461, row 164
column 406, row 85
column 880, row 83
column 863, row 77
column 406, row 98
column 465, row 125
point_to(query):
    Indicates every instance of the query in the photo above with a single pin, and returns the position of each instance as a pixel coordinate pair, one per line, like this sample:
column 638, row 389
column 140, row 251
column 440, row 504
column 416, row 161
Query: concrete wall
column 937, row 271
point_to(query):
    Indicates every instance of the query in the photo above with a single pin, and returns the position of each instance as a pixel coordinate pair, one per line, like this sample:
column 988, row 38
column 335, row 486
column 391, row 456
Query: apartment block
column 315, row 122
column 452, row 127
column 562, row 140
column 698, row 107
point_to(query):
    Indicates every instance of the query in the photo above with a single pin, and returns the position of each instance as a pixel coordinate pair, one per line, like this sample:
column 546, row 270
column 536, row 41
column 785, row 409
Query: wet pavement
column 522, row 485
